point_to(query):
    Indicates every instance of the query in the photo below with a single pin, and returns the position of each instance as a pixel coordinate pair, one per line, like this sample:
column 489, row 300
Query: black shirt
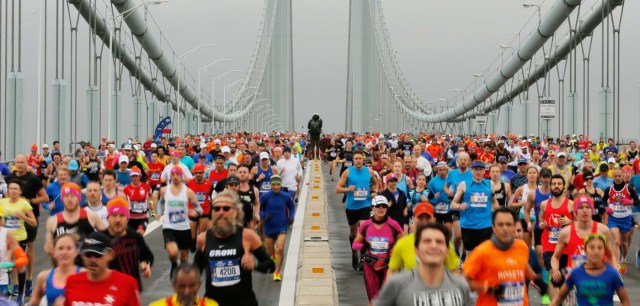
column 130, row 251
column 31, row 185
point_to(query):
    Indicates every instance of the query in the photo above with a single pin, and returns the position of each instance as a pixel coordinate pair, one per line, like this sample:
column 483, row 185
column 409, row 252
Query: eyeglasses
column 381, row 206
column 225, row 208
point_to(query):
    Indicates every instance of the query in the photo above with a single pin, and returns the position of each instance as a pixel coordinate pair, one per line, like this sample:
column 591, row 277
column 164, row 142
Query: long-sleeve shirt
column 277, row 210
column 130, row 251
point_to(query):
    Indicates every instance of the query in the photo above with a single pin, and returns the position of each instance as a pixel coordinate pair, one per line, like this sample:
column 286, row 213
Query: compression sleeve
column 200, row 260
column 20, row 257
column 265, row 264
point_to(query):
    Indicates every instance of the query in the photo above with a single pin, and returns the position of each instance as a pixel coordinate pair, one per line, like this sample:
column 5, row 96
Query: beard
column 556, row 192
column 224, row 227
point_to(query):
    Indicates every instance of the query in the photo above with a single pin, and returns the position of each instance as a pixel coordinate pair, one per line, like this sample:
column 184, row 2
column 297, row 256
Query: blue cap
column 523, row 160
column 73, row 165
column 477, row 164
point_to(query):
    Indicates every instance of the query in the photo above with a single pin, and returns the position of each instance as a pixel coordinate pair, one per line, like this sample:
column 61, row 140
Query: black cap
column 219, row 157
column 233, row 180
column 286, row 149
column 546, row 172
column 96, row 242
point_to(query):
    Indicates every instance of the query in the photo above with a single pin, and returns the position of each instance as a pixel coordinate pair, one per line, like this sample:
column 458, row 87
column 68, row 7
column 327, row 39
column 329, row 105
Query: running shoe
column 276, row 276
column 28, row 288
column 14, row 290
column 172, row 270
column 545, row 300
column 354, row 262
column 20, row 300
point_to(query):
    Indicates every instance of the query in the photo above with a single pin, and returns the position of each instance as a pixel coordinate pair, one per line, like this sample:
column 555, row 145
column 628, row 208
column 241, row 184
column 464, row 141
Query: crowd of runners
column 434, row 219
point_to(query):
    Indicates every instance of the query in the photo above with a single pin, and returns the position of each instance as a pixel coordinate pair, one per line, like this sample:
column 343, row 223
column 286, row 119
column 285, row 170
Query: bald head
column 21, row 164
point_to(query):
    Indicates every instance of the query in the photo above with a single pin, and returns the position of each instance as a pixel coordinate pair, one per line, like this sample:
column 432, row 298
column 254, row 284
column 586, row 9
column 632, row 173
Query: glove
column 6, row 265
column 497, row 290
column 627, row 202
column 609, row 210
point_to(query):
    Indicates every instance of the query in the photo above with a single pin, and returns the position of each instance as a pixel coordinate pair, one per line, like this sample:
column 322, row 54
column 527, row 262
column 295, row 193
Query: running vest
column 597, row 200
column 138, row 200
column 615, row 201
column 202, row 191
column 82, row 227
column 402, row 185
column 35, row 164
column 377, row 166
column 109, row 161
column 176, row 210
column 105, row 199
column 52, row 292
column 247, row 198
column 552, row 231
column 361, row 197
column 537, row 200
column 227, row 282
column 93, row 170
column 575, row 246
column 478, row 198
column 501, row 195
column 264, row 186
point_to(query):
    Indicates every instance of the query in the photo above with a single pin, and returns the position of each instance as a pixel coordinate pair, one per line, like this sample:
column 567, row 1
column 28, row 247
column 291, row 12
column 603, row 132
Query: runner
column 431, row 279
column 186, row 285
column 475, row 203
column 454, row 178
column 248, row 194
column 50, row 283
column 498, row 268
column 202, row 189
column 110, row 189
column 138, row 195
column 54, row 190
column 440, row 199
column 595, row 281
column 596, row 194
column 359, row 180
column 93, row 201
column 132, row 254
column 100, row 285
column 174, row 199
column 226, row 252
column 290, row 170
column 376, row 238
column 522, row 195
column 534, row 200
column 262, row 173
column 278, row 211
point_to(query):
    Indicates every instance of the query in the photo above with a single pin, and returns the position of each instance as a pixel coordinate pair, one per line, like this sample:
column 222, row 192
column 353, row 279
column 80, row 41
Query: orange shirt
column 490, row 264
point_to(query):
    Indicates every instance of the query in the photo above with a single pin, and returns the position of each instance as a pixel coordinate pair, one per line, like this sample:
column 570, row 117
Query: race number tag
column 155, row 176
column 348, row 163
column 578, row 260
column 138, row 207
column 224, row 272
column 332, row 154
column 554, row 233
column 265, row 186
column 177, row 217
column 478, row 199
column 442, row 208
column 513, row 294
column 200, row 196
column 360, row 194
column 379, row 245
column 11, row 222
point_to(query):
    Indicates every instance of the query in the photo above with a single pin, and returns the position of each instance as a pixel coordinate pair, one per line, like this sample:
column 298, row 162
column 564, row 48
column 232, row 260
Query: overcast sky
column 440, row 45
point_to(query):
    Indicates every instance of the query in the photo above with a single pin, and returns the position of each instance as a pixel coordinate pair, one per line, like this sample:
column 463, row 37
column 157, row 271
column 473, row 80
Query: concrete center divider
column 309, row 278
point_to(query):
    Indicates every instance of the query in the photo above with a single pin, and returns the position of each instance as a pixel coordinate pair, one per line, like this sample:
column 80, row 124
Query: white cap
column 264, row 155
column 112, row 145
column 203, row 145
column 611, row 160
column 561, row 153
column 127, row 147
column 226, row 149
column 154, row 145
column 500, row 141
column 124, row 159
column 380, row 200
column 217, row 141
column 45, row 146
column 136, row 147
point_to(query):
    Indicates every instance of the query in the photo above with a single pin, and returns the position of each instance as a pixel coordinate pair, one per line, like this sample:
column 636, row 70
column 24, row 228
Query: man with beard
column 133, row 256
column 203, row 189
column 72, row 219
column 248, row 194
column 227, row 252
column 99, row 284
column 186, row 285
column 454, row 178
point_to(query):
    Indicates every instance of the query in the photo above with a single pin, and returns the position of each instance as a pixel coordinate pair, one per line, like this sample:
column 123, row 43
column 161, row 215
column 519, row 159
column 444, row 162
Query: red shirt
column 486, row 158
column 215, row 176
column 154, row 173
column 118, row 289
column 202, row 192
column 35, row 164
column 137, row 196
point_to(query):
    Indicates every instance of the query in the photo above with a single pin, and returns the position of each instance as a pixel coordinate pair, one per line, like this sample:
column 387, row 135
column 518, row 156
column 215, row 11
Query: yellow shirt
column 403, row 256
column 174, row 302
column 11, row 222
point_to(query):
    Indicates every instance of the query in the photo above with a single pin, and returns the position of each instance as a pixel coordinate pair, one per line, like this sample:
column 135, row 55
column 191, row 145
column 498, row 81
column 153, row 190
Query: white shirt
column 166, row 173
column 289, row 169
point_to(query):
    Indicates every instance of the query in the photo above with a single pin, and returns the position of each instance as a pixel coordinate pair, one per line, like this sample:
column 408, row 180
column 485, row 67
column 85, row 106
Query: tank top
column 615, row 200
column 402, row 185
column 537, row 200
column 108, row 161
column 93, row 169
column 202, row 191
column 176, row 209
column 264, row 185
column 360, row 197
column 478, row 198
column 215, row 176
column 552, row 231
column 501, row 195
column 575, row 246
column 227, row 282
column 82, row 227
column 138, row 200
column 597, row 200
column 377, row 166
column 52, row 292
column 155, row 171
column 35, row 164
column 525, row 195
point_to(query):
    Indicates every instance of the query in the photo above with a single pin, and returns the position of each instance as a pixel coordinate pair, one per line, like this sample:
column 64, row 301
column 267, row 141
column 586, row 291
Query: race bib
column 360, row 194
column 224, row 272
column 379, row 245
column 138, row 207
column 177, row 217
column 618, row 208
column 12, row 222
column 442, row 208
column 265, row 186
column 554, row 233
column 200, row 197
column 478, row 199
column 155, row 176
column 578, row 260
column 332, row 154
column 348, row 163
column 513, row 294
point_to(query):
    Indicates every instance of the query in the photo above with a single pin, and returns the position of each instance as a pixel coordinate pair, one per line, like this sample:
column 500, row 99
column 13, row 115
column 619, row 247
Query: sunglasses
column 588, row 178
column 381, row 206
column 92, row 255
column 225, row 208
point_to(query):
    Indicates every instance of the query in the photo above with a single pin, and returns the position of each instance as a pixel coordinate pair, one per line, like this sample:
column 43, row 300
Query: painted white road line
column 289, row 281
column 153, row 225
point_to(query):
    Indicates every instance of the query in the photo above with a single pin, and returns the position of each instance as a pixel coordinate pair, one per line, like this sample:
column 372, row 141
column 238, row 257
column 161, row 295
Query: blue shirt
column 188, row 161
column 277, row 210
column 53, row 192
column 595, row 290
column 506, row 175
column 440, row 203
column 635, row 182
column 455, row 177
column 123, row 178
column 478, row 197
column 4, row 170
column 208, row 157
column 602, row 182
column 361, row 197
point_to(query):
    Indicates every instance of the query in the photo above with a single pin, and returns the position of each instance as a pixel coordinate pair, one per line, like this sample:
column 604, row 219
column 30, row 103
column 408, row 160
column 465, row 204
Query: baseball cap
column 73, row 165
column 135, row 171
column 380, row 200
column 442, row 164
column 522, row 160
column 611, row 160
column 217, row 141
column 218, row 157
column 123, row 159
column 561, row 153
column 34, row 147
column 546, row 172
column 96, row 242
column 203, row 145
column 477, row 164
column 225, row 149
column 235, row 180
column 154, row 145
column 198, row 168
column 264, row 155
column 128, row 147
column 111, row 145
column 500, row 141
column 423, row 208
column 392, row 176
column 287, row 149
column 275, row 179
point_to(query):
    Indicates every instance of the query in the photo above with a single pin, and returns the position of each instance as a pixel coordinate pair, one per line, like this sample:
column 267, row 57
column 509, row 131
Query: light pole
column 213, row 87
column 224, row 101
column 111, row 34
column 202, row 70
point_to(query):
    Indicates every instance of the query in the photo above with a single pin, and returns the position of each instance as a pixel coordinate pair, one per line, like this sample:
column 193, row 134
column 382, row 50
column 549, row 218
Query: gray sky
column 440, row 45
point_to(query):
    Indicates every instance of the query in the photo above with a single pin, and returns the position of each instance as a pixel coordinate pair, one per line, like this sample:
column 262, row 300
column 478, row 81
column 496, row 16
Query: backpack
column 314, row 127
